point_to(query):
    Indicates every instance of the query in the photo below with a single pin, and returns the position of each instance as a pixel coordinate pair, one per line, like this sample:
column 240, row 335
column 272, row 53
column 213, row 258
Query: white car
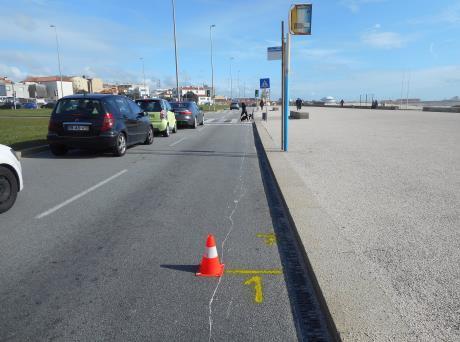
column 10, row 177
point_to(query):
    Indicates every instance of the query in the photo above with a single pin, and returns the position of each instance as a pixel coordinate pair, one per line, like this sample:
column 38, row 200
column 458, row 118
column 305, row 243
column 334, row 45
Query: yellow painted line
column 258, row 289
column 269, row 239
column 274, row 272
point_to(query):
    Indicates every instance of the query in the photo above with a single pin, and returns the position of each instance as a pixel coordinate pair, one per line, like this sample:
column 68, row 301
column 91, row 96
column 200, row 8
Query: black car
column 97, row 122
column 10, row 105
column 188, row 113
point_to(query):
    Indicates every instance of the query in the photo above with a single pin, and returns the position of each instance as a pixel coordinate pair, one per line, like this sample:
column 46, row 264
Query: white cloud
column 355, row 5
column 383, row 40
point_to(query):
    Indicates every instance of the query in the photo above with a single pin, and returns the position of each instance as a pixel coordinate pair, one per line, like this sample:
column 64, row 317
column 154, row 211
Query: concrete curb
column 32, row 150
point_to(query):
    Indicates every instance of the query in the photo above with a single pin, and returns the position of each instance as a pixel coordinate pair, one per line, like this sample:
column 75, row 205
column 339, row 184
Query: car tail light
column 163, row 114
column 53, row 126
column 186, row 112
column 108, row 122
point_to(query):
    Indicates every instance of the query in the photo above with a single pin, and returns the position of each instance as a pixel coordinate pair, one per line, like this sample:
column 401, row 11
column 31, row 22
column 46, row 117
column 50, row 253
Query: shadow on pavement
column 183, row 268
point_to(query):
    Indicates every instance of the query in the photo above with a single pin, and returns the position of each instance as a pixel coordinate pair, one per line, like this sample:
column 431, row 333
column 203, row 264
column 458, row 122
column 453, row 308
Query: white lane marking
column 81, row 194
column 177, row 142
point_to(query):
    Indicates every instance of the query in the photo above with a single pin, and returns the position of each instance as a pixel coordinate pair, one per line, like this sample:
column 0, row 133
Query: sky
column 387, row 48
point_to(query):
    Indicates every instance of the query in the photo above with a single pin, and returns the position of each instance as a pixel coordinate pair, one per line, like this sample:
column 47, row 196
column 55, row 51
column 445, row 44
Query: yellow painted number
column 270, row 239
column 257, row 282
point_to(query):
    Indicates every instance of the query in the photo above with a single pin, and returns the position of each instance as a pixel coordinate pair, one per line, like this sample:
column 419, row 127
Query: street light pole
column 231, row 78
column 175, row 50
column 58, row 57
column 143, row 69
column 238, row 84
column 212, row 64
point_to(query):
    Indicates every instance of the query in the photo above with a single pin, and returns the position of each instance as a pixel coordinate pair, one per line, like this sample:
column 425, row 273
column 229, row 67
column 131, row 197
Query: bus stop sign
column 300, row 19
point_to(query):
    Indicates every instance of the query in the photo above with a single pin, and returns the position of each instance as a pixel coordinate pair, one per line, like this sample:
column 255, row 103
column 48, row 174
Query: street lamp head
column 213, row 25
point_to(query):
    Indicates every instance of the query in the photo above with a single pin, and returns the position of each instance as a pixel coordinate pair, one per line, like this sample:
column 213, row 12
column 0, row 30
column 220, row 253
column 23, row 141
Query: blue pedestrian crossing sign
column 264, row 83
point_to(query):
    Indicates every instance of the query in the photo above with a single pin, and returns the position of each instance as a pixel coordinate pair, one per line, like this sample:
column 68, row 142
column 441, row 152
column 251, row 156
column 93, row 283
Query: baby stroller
column 244, row 116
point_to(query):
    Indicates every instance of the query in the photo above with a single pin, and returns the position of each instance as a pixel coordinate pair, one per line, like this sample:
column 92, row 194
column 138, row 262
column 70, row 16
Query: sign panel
column 300, row 19
column 274, row 53
column 264, row 83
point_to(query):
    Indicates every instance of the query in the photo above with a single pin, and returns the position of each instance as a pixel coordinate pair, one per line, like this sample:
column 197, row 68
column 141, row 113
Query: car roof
column 149, row 100
column 89, row 96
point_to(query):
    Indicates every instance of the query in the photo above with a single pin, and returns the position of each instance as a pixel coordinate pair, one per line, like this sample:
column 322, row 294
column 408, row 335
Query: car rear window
column 181, row 105
column 79, row 106
column 150, row 106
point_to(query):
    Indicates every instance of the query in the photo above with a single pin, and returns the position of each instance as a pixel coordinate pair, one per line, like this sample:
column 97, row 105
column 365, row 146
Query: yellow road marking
column 259, row 294
column 269, row 239
column 274, row 272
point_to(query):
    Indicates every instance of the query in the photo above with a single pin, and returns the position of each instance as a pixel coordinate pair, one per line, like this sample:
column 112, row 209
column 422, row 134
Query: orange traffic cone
column 210, row 265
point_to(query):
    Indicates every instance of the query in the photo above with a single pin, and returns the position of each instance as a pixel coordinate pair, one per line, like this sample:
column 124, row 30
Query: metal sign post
column 299, row 24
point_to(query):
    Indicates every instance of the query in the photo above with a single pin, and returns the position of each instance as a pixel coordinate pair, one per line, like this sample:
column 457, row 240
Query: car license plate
column 77, row 128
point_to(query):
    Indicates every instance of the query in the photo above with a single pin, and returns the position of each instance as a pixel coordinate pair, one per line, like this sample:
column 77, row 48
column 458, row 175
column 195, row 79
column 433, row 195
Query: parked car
column 161, row 115
column 10, row 178
column 234, row 105
column 10, row 105
column 97, row 122
column 30, row 105
column 188, row 113
column 49, row 105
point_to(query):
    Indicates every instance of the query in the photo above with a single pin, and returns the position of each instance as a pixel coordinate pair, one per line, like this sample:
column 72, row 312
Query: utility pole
column 58, row 57
column 175, row 51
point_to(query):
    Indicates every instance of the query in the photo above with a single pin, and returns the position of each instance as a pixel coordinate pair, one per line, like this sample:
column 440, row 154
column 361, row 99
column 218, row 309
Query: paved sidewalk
column 375, row 196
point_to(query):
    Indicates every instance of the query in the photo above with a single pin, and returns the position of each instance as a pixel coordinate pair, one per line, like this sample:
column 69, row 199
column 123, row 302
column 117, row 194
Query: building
column 95, row 85
column 79, row 84
column 200, row 92
column 53, row 85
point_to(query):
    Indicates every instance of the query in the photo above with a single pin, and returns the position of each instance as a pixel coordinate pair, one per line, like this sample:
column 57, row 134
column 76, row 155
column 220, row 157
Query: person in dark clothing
column 342, row 102
column 261, row 104
column 298, row 104
column 244, row 112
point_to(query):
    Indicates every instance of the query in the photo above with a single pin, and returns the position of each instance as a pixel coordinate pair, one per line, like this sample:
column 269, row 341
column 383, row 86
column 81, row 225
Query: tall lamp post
column 212, row 64
column 143, row 69
column 175, row 50
column 231, row 78
column 58, row 57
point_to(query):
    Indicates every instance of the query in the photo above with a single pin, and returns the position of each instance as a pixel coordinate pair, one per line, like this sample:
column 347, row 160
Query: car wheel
column 194, row 123
column 202, row 121
column 8, row 189
column 175, row 128
column 59, row 150
column 167, row 131
column 120, row 147
column 149, row 139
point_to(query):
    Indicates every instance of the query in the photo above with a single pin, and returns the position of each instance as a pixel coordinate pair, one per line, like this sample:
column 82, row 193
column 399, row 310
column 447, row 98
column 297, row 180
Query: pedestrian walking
column 261, row 104
column 342, row 102
column 244, row 112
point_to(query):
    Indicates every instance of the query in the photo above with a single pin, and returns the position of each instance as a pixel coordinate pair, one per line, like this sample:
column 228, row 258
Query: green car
column 161, row 115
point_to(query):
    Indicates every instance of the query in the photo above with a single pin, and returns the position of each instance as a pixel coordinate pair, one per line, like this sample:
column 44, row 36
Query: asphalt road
column 100, row 248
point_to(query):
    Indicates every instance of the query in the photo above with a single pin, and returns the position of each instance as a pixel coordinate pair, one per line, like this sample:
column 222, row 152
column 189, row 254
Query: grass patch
column 43, row 112
column 211, row 108
column 20, row 133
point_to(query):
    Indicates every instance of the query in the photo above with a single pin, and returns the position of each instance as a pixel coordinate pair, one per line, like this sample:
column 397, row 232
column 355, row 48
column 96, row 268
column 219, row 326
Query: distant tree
column 191, row 96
